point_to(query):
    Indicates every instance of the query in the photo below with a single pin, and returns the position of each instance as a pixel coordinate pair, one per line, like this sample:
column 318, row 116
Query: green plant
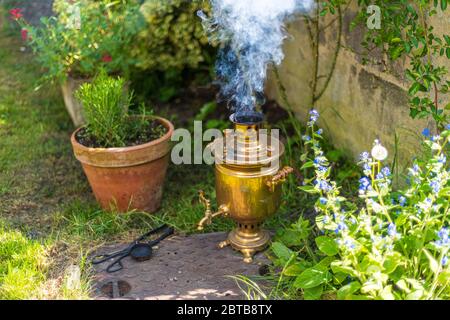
column 172, row 50
column 174, row 37
column 391, row 245
column 109, row 123
column 407, row 32
column 84, row 37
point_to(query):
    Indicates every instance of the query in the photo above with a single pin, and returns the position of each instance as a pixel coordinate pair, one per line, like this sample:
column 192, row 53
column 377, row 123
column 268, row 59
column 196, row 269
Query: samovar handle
column 279, row 177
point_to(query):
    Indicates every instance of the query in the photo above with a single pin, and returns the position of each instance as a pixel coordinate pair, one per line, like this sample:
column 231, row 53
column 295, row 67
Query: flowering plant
column 392, row 245
column 86, row 36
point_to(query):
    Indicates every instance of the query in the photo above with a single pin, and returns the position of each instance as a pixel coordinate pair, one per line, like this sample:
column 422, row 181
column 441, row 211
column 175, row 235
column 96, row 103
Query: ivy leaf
column 327, row 245
column 311, row 278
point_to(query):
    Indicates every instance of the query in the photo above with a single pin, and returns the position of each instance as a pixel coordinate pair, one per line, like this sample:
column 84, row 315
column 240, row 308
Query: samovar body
column 248, row 184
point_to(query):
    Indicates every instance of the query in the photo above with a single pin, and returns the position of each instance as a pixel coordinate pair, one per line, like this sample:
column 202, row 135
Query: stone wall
column 362, row 102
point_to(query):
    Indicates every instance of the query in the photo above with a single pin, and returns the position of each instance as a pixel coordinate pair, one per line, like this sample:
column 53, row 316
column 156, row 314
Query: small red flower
column 106, row 58
column 24, row 34
column 16, row 13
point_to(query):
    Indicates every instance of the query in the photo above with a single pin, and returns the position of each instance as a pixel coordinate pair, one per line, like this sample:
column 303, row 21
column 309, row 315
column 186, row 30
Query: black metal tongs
column 138, row 250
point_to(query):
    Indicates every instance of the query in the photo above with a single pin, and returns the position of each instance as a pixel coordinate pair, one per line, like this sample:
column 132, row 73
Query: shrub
column 392, row 244
column 109, row 124
column 86, row 36
column 174, row 36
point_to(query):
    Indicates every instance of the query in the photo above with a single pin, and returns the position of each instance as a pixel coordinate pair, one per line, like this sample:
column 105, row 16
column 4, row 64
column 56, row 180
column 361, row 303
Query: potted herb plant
column 124, row 156
column 84, row 37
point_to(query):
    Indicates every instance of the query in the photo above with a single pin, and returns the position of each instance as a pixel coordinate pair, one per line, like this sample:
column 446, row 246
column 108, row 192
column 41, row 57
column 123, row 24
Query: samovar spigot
column 209, row 215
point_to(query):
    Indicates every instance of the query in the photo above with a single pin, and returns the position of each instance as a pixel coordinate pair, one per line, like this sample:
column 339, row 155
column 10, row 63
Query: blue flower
column 318, row 161
column 323, row 185
column 426, row 132
column 402, row 200
column 319, row 132
column 435, row 138
column 447, row 127
column 341, row 227
column 443, row 241
column 364, row 183
column 435, row 186
column 367, row 169
column 306, row 138
column 379, row 176
column 364, row 156
column 322, row 168
column 349, row 244
column 314, row 115
column 444, row 261
column 386, row 171
column 392, row 230
column 323, row 200
column 442, row 159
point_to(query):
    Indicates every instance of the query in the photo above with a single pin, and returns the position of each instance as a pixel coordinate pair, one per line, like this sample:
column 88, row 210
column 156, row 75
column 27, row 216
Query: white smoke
column 251, row 33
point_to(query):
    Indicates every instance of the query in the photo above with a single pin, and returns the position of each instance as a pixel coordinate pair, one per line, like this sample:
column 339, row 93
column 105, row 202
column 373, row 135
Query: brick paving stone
column 181, row 268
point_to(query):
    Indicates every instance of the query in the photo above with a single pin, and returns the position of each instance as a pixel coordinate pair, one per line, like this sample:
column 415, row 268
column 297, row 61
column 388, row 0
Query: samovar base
column 248, row 243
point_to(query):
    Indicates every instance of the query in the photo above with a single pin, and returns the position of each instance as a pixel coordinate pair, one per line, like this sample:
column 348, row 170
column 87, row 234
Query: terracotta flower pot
column 127, row 178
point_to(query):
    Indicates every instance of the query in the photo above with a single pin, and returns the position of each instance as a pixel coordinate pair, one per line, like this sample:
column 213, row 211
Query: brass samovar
column 248, row 182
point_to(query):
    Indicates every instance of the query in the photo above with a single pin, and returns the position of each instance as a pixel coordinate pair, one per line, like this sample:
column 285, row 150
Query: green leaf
column 346, row 291
column 327, row 245
column 294, row 269
column 293, row 237
column 402, row 285
column 443, row 5
column 415, row 295
column 391, row 263
column 337, row 266
column 414, row 88
column 281, row 251
column 386, row 293
column 308, row 189
column 313, row 293
column 447, row 53
column 311, row 278
column 444, row 278
column 434, row 265
column 307, row 165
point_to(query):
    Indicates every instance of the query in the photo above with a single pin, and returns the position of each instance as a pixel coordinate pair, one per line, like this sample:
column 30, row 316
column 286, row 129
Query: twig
column 335, row 56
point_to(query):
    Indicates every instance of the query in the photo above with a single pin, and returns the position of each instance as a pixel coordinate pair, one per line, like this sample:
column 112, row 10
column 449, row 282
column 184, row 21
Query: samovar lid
column 247, row 144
